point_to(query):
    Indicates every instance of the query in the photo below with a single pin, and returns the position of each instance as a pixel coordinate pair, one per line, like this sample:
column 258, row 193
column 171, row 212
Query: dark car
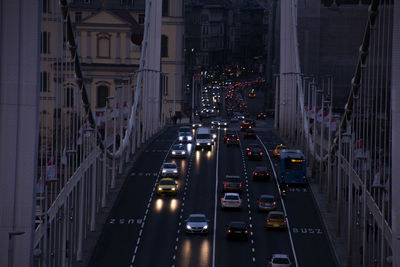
column 250, row 146
column 249, row 122
column 261, row 116
column 237, row 230
column 255, row 153
column 266, row 203
column 249, row 133
column 261, row 173
column 245, row 127
column 232, row 139
column 232, row 183
column 227, row 134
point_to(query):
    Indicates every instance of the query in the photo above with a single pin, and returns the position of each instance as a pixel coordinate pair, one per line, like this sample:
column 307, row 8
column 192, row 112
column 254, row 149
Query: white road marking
column 215, row 203
column 136, row 249
column 283, row 204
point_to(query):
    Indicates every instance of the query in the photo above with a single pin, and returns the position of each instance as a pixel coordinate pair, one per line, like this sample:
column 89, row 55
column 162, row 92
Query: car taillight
column 268, row 173
column 304, row 177
column 255, row 173
column 240, row 201
column 229, row 230
column 223, row 201
column 224, row 183
column 261, row 153
column 237, row 139
column 267, row 220
column 249, row 152
column 240, row 185
column 227, row 139
column 246, row 231
column 259, row 203
column 274, row 203
column 284, row 220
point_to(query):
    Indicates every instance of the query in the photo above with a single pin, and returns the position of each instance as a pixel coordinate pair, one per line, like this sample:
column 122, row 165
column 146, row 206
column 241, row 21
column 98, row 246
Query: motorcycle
column 283, row 188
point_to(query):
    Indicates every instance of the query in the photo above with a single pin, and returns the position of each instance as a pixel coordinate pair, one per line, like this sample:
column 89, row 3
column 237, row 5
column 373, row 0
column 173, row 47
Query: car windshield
column 177, row 147
column 266, row 199
column 261, row 169
column 233, row 179
column 231, row 197
column 203, row 136
column 169, row 165
column 196, row 219
column 281, row 261
column 237, row 225
column 167, row 182
column 185, row 130
column 276, row 216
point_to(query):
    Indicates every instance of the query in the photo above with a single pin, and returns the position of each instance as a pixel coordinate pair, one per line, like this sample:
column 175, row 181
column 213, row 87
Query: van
column 185, row 134
column 203, row 138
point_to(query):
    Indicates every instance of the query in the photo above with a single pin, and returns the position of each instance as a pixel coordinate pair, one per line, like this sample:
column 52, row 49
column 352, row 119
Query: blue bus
column 293, row 167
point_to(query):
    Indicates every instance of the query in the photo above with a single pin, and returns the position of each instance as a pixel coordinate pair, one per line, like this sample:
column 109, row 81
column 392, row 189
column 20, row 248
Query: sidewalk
column 338, row 243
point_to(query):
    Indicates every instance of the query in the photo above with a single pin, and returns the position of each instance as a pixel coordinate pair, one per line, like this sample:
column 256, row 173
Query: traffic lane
column 306, row 225
column 162, row 221
column 307, row 229
column 115, row 244
column 231, row 252
column 267, row 242
column 196, row 249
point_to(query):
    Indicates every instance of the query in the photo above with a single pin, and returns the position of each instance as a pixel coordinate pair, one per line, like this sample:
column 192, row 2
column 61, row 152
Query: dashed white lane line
column 138, row 241
column 136, row 248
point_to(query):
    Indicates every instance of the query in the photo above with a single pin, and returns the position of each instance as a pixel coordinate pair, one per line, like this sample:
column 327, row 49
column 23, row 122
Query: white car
column 197, row 223
column 223, row 123
column 178, row 151
column 169, row 169
column 280, row 260
column 231, row 200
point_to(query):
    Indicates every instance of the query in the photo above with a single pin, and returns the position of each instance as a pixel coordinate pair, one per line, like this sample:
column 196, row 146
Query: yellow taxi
column 167, row 186
column 276, row 219
column 252, row 93
column 278, row 149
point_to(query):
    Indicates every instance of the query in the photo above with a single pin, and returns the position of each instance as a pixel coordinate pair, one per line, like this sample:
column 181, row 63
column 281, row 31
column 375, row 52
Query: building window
column 102, row 93
column 141, row 19
column 46, row 6
column 164, row 46
column 44, row 81
column 165, row 8
column 205, row 44
column 68, row 97
column 78, row 17
column 164, row 84
column 103, row 45
column 205, row 30
column 45, row 43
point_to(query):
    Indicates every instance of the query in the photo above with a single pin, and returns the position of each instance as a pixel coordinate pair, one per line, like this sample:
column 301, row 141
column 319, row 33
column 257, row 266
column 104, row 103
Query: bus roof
column 291, row 153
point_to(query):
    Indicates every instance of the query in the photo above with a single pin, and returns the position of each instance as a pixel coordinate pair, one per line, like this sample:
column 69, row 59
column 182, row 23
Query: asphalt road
column 144, row 229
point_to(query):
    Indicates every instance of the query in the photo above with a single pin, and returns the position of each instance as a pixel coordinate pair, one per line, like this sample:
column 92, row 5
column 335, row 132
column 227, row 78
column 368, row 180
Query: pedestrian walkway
column 329, row 220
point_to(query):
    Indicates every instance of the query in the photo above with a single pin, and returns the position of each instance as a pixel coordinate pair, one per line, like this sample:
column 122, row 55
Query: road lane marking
column 283, row 204
column 215, row 202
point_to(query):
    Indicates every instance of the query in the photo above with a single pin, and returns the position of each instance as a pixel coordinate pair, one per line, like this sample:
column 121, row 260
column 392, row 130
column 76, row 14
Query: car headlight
column 214, row 136
column 164, row 171
column 173, row 152
column 173, row 188
column 175, row 171
column 193, row 125
column 197, row 144
column 189, row 138
column 188, row 227
column 208, row 144
column 183, row 152
column 200, row 125
column 159, row 188
column 205, row 226
column 180, row 137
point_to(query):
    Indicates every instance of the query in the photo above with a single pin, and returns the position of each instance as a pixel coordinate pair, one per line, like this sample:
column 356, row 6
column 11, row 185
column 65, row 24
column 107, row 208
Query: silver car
column 231, row 200
column 197, row 223
column 280, row 260
column 169, row 169
column 178, row 151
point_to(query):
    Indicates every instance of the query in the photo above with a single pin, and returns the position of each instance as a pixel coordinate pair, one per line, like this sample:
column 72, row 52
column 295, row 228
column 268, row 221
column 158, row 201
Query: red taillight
column 274, row 203
column 246, row 231
column 255, row 173
column 237, row 139
column 227, row 139
column 268, row 173
column 259, row 203
column 267, row 220
column 240, row 185
column 284, row 221
column 260, row 153
column 229, row 230
column 224, row 183
column 249, row 152
column 304, row 177
column 223, row 201
column 240, row 201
